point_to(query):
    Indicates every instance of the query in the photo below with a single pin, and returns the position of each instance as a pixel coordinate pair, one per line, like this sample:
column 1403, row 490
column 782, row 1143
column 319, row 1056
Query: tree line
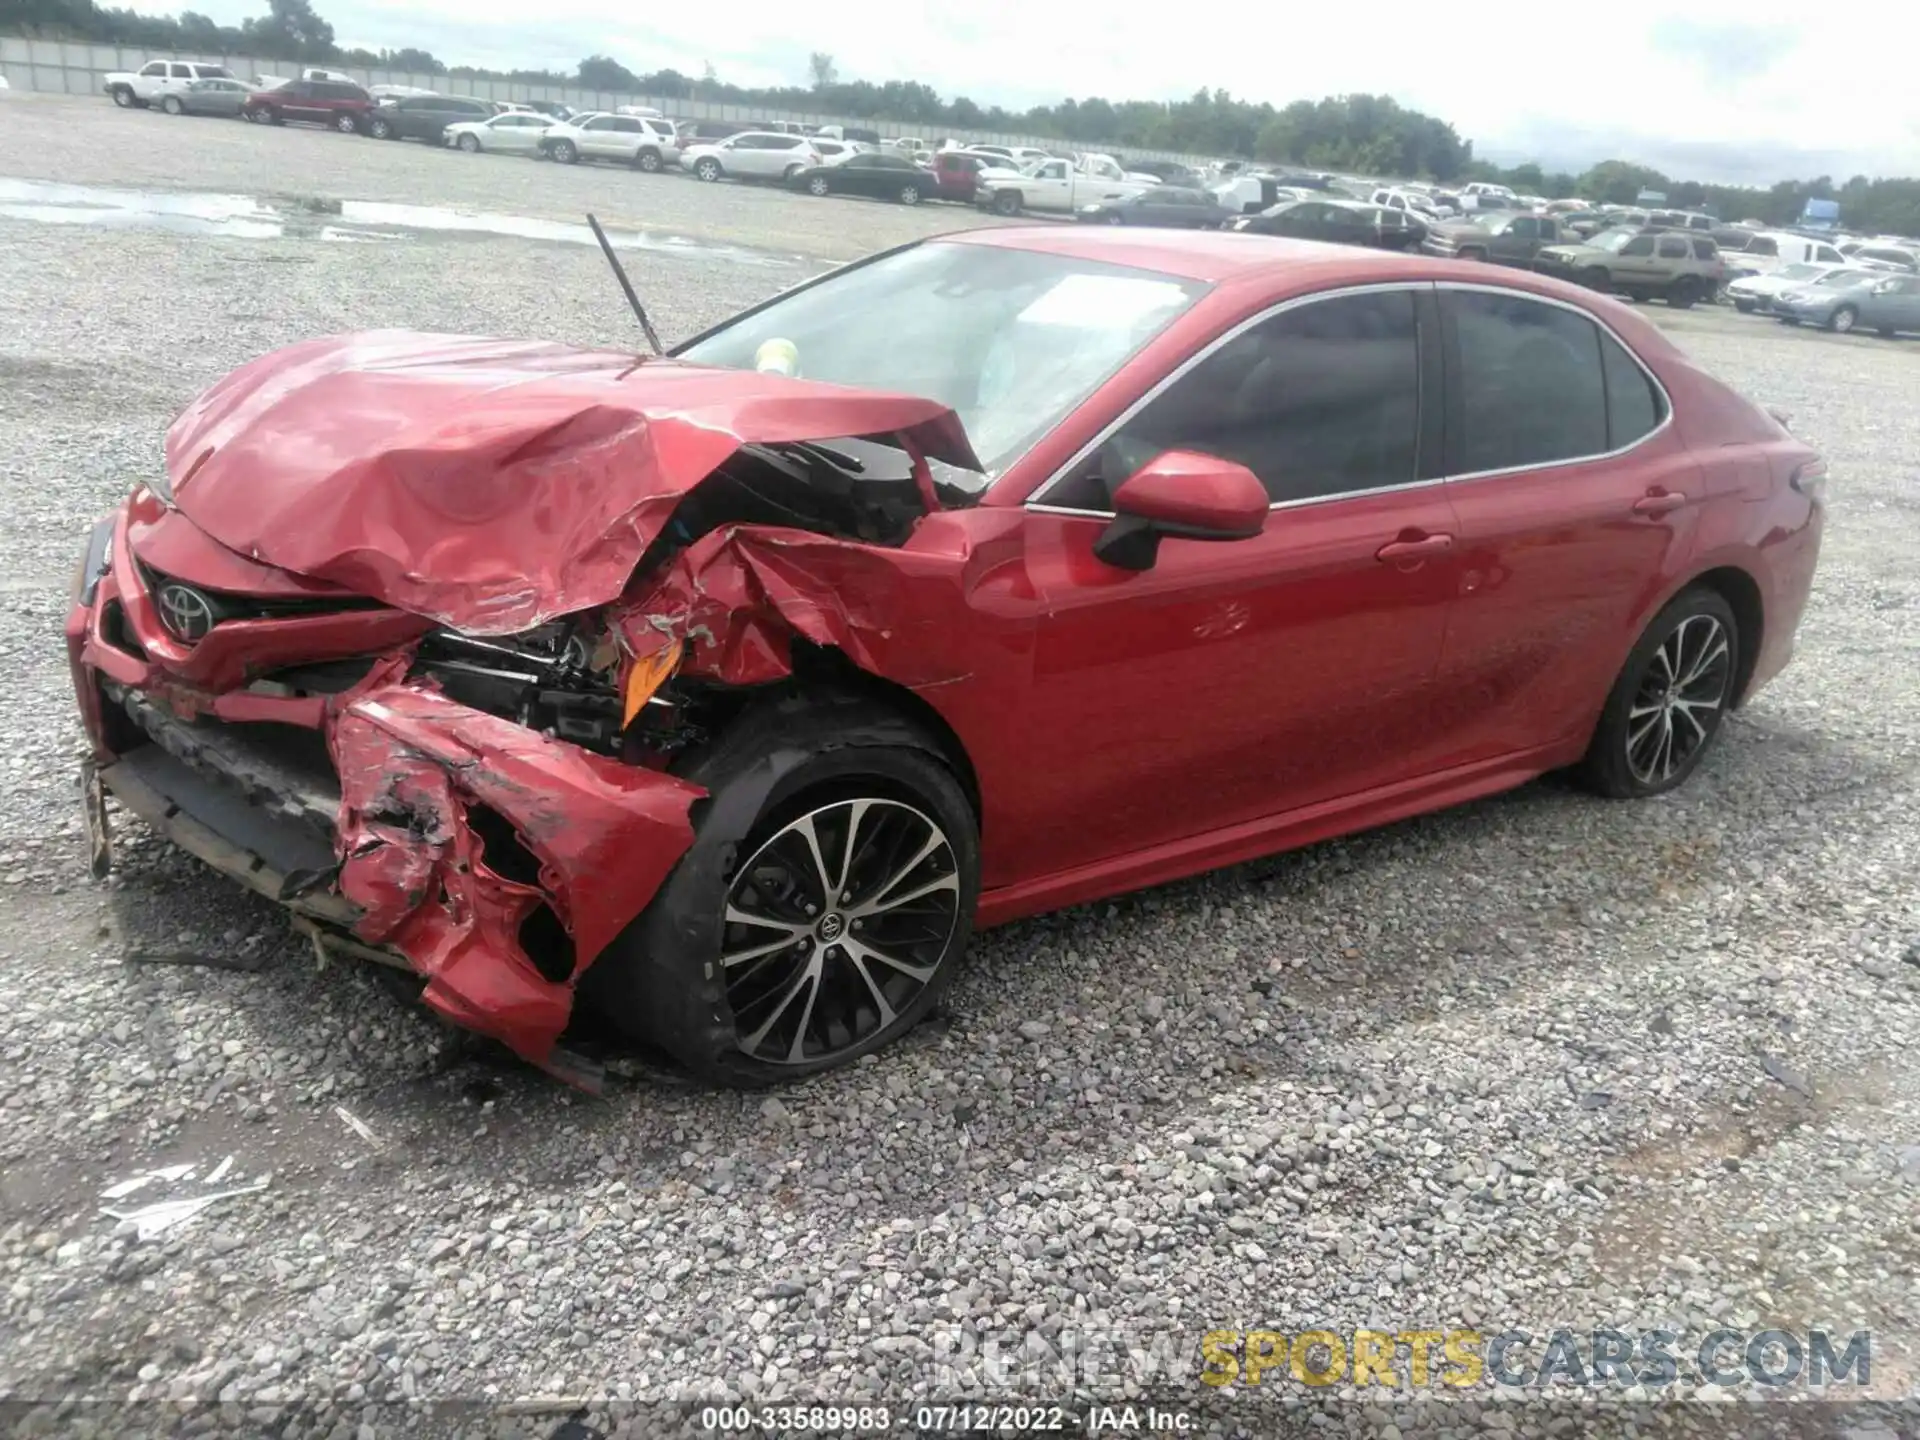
column 1363, row 134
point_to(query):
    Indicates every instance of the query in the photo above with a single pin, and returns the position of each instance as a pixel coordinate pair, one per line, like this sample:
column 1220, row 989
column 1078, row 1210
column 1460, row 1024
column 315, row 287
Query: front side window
column 1638, row 245
column 1532, row 391
column 1704, row 250
column 1011, row 340
column 603, row 122
column 1673, row 248
column 179, row 72
column 155, row 71
column 1829, row 255
column 1763, row 245
column 1320, row 400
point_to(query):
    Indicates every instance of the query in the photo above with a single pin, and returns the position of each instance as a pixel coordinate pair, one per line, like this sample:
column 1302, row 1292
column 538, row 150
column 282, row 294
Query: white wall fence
column 71, row 67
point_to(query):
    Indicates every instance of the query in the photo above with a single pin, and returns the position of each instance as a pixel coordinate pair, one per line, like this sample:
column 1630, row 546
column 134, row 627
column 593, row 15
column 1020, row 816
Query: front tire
column 910, row 194
column 819, row 185
column 123, row 97
column 1475, row 254
column 1842, row 321
column 1666, row 708
column 1597, row 278
column 381, row 129
column 1683, row 294
column 707, row 169
column 173, row 106
column 1007, row 202
column 822, row 908
column 1745, row 307
column 469, row 143
column 564, row 152
column 346, row 124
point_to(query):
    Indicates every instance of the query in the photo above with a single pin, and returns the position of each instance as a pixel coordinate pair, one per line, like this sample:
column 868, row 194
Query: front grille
column 227, row 606
column 283, row 770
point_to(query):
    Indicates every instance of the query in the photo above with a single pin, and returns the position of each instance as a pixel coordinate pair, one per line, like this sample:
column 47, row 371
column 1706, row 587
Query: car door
column 599, row 137
column 1232, row 681
column 1634, row 262
column 1574, row 500
column 1893, row 304
column 296, row 101
column 516, row 134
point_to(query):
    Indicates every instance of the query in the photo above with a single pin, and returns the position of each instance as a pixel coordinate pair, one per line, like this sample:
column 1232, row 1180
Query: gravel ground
column 1536, row 1062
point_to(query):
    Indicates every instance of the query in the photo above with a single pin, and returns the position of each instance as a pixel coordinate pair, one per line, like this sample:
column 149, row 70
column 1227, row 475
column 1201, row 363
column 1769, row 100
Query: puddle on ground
column 249, row 217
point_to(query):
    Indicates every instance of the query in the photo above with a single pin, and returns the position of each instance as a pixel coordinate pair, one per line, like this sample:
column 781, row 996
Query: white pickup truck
column 157, row 79
column 1056, row 186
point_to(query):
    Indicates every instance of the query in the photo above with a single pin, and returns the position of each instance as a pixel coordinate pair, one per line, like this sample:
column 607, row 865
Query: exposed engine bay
column 562, row 679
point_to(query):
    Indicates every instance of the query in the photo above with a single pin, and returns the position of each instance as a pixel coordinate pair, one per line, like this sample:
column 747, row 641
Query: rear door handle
column 1425, row 546
column 1659, row 502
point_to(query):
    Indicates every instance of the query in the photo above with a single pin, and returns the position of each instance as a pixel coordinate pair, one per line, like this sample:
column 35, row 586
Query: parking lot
column 1540, row 1061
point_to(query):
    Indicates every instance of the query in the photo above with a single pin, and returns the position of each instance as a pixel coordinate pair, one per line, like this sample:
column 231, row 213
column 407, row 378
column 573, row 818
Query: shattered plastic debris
column 354, row 1123
column 219, row 1172
column 162, row 1216
column 172, row 1174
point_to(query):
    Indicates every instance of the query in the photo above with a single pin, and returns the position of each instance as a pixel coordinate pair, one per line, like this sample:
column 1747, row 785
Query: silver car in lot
column 207, row 97
column 1845, row 301
column 517, row 132
column 1756, row 292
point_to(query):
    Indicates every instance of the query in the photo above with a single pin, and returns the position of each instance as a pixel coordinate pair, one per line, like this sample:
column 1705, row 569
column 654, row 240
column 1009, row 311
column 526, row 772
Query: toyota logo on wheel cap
column 188, row 613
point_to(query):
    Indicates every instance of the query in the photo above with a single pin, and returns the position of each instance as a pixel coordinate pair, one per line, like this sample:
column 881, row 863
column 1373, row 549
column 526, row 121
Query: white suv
column 643, row 142
column 157, row 79
column 752, row 155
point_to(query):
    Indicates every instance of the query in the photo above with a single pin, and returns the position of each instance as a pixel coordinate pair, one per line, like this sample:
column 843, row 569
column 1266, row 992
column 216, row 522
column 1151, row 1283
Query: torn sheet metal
column 491, row 485
column 737, row 596
column 603, row 835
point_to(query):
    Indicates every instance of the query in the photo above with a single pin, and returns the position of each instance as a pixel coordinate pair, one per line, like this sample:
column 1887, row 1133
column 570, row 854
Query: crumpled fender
column 490, row 485
column 738, row 595
column 412, row 765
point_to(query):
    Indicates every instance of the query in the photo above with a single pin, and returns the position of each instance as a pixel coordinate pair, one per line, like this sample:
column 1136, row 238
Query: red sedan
column 728, row 692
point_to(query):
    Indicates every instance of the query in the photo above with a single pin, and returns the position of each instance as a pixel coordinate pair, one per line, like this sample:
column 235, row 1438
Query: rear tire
column 346, row 124
column 1683, row 293
column 1666, row 708
column 790, row 763
column 648, row 161
column 173, row 106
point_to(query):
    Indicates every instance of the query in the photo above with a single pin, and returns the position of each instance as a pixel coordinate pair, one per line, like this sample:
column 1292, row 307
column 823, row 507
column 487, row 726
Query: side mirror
column 1186, row 495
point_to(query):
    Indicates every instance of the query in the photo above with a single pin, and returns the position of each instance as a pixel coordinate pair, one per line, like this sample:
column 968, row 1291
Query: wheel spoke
column 1664, row 755
column 1714, row 653
column 859, row 813
column 856, row 957
column 878, row 907
column 933, row 842
column 808, row 979
column 862, row 950
column 792, row 937
column 828, row 891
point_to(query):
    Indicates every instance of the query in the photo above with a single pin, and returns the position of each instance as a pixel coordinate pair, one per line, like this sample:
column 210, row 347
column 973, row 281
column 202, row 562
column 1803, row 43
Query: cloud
column 1726, row 52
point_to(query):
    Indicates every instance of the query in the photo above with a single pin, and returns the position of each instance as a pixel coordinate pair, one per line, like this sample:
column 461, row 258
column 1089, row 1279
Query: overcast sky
column 1738, row 90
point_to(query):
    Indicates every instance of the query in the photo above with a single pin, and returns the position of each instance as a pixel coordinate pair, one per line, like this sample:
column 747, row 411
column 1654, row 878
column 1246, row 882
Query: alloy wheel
column 835, row 926
column 1678, row 703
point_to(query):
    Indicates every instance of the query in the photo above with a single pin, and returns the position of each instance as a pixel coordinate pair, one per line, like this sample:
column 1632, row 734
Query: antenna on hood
column 639, row 310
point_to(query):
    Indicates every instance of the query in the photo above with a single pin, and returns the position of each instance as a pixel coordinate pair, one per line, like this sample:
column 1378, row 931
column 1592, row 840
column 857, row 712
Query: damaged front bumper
column 495, row 862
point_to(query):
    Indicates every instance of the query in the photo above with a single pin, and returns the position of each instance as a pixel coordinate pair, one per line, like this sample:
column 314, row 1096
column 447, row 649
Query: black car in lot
column 424, row 117
column 1343, row 222
column 886, row 177
column 1171, row 206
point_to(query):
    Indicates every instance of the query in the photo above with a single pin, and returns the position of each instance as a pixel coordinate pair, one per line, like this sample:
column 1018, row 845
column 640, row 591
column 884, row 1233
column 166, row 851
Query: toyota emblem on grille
column 188, row 613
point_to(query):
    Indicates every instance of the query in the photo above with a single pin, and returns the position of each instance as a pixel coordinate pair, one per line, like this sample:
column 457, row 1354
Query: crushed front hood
column 491, row 485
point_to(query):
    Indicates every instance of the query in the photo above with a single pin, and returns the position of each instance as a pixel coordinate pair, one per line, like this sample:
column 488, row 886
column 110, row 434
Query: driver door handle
column 1420, row 549
column 1659, row 502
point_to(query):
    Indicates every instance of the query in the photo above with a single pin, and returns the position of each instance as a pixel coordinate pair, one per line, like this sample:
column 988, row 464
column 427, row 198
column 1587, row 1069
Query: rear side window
column 1635, row 407
column 1827, row 255
column 1532, row 387
column 1672, row 247
column 1318, row 401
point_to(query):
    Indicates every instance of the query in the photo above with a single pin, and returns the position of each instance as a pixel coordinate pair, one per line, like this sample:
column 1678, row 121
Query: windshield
column 1843, row 277
column 1612, row 239
column 1011, row 340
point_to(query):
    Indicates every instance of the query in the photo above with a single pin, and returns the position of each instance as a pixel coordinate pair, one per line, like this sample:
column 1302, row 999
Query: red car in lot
column 728, row 692
column 338, row 104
